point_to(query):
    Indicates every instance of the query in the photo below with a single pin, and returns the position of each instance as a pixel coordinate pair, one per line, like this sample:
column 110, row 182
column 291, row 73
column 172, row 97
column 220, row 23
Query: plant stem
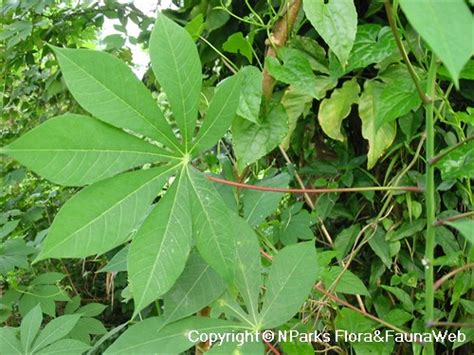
column 315, row 191
column 441, row 155
column 430, row 201
column 451, row 274
column 426, row 98
column 442, row 222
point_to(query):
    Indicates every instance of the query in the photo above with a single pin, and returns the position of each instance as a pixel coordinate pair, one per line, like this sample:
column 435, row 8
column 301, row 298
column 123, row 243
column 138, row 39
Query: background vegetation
column 397, row 112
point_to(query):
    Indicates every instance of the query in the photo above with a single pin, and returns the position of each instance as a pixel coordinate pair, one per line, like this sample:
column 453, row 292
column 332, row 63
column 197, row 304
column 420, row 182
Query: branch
column 314, row 191
column 450, row 274
column 278, row 39
column 442, row 222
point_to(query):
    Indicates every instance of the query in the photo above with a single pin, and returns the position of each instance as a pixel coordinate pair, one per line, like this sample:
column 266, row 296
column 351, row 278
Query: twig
column 441, row 155
column 442, row 222
column 450, row 274
column 451, row 324
column 314, row 191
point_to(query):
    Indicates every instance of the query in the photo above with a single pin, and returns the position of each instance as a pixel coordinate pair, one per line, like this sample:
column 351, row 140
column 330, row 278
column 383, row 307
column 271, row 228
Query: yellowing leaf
column 335, row 109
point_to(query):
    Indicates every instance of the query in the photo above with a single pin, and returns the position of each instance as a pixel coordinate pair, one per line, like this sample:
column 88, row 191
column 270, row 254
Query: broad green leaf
column 252, row 141
column 296, row 71
column 212, row 231
column 9, row 342
column 56, row 329
column 197, row 287
column 402, row 296
column 220, row 114
column 459, row 163
column 251, row 93
column 152, row 335
column 312, row 51
column 30, row 325
column 118, row 262
column 379, row 139
column 48, row 278
column 176, row 64
column 236, row 43
column 101, row 216
column 195, row 26
column 292, row 276
column 260, row 204
column 381, row 247
column 398, row 317
column 373, row 43
column 465, row 227
column 348, row 283
column 336, row 22
column 335, row 109
column 76, row 150
column 65, row 347
column 443, row 25
column 396, row 99
column 159, row 250
column 296, row 104
column 108, row 89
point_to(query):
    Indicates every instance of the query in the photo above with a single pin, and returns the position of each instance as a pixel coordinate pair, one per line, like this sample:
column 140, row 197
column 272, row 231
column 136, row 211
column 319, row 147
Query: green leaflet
column 252, row 141
column 118, row 262
column 159, row 249
column 251, row 94
column 260, row 204
column 101, row 216
column 212, row 231
column 220, row 114
column 56, row 329
column 176, row 64
column 152, row 335
column 195, row 288
column 292, row 276
column 75, row 150
column 30, row 326
column 107, row 96
column 9, row 342
column 65, row 347
column 379, row 139
column 444, row 26
column 334, row 110
column 336, row 22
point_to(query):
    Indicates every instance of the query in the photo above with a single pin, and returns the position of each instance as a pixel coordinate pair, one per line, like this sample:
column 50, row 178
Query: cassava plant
column 237, row 252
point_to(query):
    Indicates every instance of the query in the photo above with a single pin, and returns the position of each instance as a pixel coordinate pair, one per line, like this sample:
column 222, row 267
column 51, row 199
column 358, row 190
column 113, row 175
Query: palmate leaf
column 108, row 89
column 159, row 250
column 75, row 150
column 176, row 64
column 101, row 216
